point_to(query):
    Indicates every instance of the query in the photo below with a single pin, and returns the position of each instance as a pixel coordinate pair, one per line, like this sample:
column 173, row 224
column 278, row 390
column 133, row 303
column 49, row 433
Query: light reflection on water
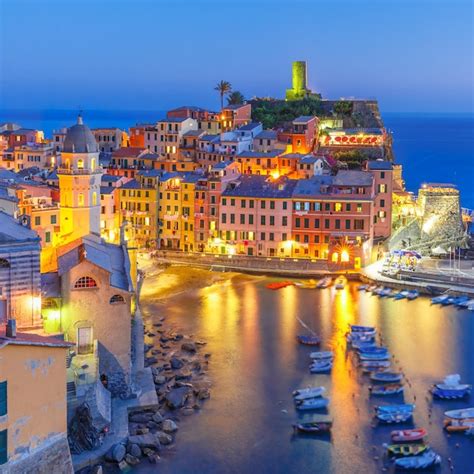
column 256, row 363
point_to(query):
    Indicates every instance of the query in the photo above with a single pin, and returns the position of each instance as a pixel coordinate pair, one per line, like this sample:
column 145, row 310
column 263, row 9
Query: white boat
column 422, row 461
column 324, row 283
column 460, row 414
column 452, row 382
column 320, row 366
column 310, row 392
column 340, row 283
column 322, row 355
column 312, row 403
column 466, row 304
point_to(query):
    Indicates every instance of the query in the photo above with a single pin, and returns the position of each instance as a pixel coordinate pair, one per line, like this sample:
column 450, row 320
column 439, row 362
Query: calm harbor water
column 256, row 363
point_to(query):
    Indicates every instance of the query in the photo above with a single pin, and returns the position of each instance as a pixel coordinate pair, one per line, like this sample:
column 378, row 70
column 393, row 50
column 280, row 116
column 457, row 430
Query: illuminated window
column 335, row 257
column 116, row 299
column 337, row 207
column 94, row 198
column 147, row 221
column 359, row 207
column 344, row 256
column 93, row 164
column 80, row 164
column 80, row 199
column 85, row 282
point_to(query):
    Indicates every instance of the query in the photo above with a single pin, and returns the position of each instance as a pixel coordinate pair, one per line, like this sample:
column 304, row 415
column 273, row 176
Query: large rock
column 169, row 426
column 175, row 398
column 188, row 346
column 148, row 440
column 132, row 460
column 160, row 379
column 140, row 417
column 134, row 450
column 164, row 438
column 157, row 417
column 116, row 453
column 176, row 363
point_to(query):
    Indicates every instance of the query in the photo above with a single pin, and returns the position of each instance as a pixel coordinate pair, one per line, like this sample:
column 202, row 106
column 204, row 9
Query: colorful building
column 301, row 136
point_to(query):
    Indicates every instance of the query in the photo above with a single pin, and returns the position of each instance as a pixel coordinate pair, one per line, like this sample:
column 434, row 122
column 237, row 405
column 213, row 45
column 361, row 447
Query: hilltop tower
column 299, row 88
column 79, row 184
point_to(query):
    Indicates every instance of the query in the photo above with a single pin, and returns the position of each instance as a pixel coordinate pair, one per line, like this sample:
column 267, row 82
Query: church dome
column 79, row 139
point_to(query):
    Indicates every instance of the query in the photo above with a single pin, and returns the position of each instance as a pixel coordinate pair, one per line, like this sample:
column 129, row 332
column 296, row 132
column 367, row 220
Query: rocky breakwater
column 179, row 365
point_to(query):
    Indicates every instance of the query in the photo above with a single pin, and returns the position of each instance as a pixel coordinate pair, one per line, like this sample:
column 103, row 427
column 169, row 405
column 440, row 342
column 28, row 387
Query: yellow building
column 33, row 426
column 109, row 215
column 177, row 210
column 138, row 206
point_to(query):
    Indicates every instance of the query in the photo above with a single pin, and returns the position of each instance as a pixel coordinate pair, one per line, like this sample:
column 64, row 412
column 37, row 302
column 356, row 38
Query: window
column 306, row 223
column 251, row 203
column 382, row 188
column 47, row 237
column 337, row 207
column 285, row 205
column 338, row 224
column 262, row 204
column 382, row 174
column 94, row 198
column 272, row 204
column 348, row 224
column 297, row 222
column 272, row 236
column 262, row 236
column 80, row 164
column 232, row 218
column 80, row 199
column 358, row 224
column 272, row 220
column 85, row 282
column 326, row 223
column 316, row 239
column 359, row 207
column 316, row 223
column 38, row 220
column 3, row 398
column 382, row 203
column 348, row 207
column 284, row 221
column 116, row 299
column 251, row 219
column 242, row 218
column 262, row 220
column 243, row 203
column 53, row 219
column 3, row 447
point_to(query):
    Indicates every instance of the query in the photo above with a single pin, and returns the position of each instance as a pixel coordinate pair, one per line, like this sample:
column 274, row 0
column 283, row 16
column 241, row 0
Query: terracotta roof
column 28, row 339
column 130, row 151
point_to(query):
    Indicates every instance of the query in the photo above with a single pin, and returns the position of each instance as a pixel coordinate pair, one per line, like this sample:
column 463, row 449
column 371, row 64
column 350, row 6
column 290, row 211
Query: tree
column 235, row 98
column 224, row 88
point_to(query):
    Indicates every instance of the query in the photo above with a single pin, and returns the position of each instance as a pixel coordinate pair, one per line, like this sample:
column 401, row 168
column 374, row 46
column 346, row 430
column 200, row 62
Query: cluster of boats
column 339, row 283
column 386, row 292
column 461, row 301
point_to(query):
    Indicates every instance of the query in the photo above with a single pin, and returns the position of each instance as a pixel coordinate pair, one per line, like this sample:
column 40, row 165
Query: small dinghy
column 364, row 329
column 452, row 382
column 362, row 287
column 372, row 349
column 439, row 299
column 424, row 461
column 401, row 295
column 383, row 390
column 460, row 414
column 371, row 288
column 401, row 417
column 450, row 393
column 401, row 408
column 413, row 295
column 458, row 426
column 277, row 285
column 340, row 283
column 359, row 338
column 322, row 355
column 386, row 292
column 364, row 345
column 324, row 283
column 375, row 364
column 313, row 427
column 374, row 356
column 310, row 392
column 308, row 340
column 407, row 436
column 404, row 450
column 312, row 403
column 309, row 285
column 320, row 366
column 385, row 377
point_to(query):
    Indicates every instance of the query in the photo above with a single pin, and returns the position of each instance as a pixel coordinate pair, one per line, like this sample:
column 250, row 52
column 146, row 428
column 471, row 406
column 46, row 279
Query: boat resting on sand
column 407, row 436
column 389, row 377
column 313, row 427
column 424, row 461
column 320, row 366
column 310, row 392
column 312, row 403
column 375, row 364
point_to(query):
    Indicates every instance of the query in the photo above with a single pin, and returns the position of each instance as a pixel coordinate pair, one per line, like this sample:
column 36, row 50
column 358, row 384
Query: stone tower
column 299, row 88
column 79, row 184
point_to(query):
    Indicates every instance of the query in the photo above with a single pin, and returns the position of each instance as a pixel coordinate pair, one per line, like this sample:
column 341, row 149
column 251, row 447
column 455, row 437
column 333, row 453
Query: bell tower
column 79, row 177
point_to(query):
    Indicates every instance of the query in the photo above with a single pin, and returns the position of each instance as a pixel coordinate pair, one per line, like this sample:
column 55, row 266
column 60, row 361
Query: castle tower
column 299, row 82
column 79, row 184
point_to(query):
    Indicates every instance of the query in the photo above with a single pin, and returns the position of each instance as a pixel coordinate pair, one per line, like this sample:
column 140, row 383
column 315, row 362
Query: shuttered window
column 3, row 447
column 3, row 398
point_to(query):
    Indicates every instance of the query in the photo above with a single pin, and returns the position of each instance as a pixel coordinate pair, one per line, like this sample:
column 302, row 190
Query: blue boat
column 308, row 340
column 439, row 299
column 365, row 329
column 460, row 300
column 401, row 295
column 362, row 287
column 413, row 294
column 385, row 377
column 451, row 393
column 374, row 356
column 372, row 349
column 320, row 367
column 401, row 408
column 401, row 417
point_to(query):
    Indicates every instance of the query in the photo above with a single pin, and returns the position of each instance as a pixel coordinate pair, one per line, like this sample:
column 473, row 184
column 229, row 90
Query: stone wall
column 55, row 458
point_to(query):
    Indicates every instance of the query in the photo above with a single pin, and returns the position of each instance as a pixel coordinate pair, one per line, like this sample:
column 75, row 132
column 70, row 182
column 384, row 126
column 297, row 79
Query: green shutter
column 3, row 398
column 3, row 447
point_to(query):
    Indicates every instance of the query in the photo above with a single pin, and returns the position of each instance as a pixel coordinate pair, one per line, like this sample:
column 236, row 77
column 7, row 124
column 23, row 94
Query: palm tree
column 223, row 87
column 235, row 98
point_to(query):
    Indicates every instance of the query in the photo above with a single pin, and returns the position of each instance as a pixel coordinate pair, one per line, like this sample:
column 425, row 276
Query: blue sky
column 412, row 55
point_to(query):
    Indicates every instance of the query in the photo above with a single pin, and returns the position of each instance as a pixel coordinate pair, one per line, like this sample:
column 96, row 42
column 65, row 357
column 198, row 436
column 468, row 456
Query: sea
column 433, row 148
column 247, row 424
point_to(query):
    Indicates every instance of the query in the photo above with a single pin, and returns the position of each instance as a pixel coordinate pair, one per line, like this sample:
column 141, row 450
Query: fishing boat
column 424, row 461
column 390, row 389
column 309, row 392
column 450, row 393
column 401, row 295
column 309, row 284
column 460, row 300
column 400, row 417
column 372, row 349
column 277, row 285
column 460, row 414
column 413, row 295
column 374, row 355
column 320, row 366
column 408, row 436
column 362, row 287
column 457, row 426
column 388, row 377
column 401, row 408
column 312, row 404
column 324, row 283
column 340, row 283
column 370, row 365
column 308, row 340
column 322, row 355
column 439, row 299
column 364, row 329
column 406, row 449
column 356, row 338
column 314, row 427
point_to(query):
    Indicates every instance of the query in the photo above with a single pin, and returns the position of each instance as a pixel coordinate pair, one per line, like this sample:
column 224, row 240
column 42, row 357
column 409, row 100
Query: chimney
column 10, row 330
